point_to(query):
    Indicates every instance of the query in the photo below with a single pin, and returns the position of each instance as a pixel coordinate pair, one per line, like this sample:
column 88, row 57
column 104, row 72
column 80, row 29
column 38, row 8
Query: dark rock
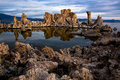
column 107, row 41
column 115, row 29
column 106, row 28
column 90, row 22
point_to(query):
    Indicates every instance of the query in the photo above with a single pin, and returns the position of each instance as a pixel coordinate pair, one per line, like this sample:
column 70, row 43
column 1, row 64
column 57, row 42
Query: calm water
column 56, row 38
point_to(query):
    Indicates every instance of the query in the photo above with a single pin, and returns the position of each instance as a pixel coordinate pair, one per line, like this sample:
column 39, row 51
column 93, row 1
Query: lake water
column 57, row 38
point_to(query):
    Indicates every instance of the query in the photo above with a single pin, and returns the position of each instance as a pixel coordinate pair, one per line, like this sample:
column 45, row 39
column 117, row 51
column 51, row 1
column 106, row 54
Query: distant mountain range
column 9, row 19
column 4, row 18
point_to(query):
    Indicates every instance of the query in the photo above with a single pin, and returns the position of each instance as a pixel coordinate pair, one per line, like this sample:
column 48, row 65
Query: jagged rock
column 1, row 25
column 66, row 18
column 48, row 19
column 95, row 62
column 98, row 22
column 90, row 22
column 24, row 19
column 22, row 48
column 35, row 23
column 19, row 24
column 32, row 74
column 51, row 77
column 107, row 41
column 106, row 28
column 3, row 49
column 15, row 22
column 82, row 74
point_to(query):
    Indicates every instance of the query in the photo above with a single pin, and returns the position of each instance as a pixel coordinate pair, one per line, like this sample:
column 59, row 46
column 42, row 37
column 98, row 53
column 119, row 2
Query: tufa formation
column 66, row 18
column 24, row 23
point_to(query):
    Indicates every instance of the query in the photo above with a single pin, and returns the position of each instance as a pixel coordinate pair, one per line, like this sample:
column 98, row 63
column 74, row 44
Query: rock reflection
column 62, row 33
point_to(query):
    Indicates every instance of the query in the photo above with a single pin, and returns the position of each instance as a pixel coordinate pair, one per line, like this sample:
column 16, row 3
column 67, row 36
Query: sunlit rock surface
column 66, row 18
column 86, row 63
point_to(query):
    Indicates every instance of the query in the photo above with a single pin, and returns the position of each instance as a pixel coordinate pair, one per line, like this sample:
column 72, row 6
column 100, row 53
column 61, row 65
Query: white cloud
column 36, row 8
column 94, row 15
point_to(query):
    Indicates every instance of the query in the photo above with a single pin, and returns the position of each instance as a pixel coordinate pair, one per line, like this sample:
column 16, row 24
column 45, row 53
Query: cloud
column 37, row 8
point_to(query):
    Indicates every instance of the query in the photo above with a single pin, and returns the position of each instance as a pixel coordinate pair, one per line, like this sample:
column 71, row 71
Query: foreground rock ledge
column 76, row 63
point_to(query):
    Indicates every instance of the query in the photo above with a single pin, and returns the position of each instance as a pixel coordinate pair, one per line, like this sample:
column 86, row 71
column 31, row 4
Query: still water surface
column 56, row 38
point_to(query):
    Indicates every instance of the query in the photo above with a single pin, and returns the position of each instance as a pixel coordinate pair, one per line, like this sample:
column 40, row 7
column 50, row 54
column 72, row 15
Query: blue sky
column 108, row 9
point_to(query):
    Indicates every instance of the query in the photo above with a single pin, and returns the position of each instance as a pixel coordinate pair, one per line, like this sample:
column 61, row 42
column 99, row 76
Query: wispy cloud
column 36, row 8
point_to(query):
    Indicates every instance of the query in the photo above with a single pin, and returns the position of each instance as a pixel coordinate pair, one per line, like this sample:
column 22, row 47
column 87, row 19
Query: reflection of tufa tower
column 90, row 22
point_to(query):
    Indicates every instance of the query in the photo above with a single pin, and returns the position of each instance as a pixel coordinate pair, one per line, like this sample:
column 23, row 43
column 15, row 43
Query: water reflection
column 63, row 33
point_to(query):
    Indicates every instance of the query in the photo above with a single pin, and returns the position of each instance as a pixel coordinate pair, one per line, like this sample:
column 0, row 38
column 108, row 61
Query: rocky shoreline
column 98, row 62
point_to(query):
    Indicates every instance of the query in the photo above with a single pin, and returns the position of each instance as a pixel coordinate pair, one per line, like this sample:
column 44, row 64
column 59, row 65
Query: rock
column 32, row 74
column 90, row 22
column 98, row 22
column 106, row 28
column 83, row 74
column 51, row 77
column 66, row 18
column 65, row 77
column 19, row 24
column 107, row 41
column 24, row 19
column 22, row 48
column 48, row 19
column 3, row 49
column 21, row 77
column 115, row 29
column 15, row 22
column 75, row 63
column 84, row 23
column 1, row 25
column 91, row 33
column 118, row 33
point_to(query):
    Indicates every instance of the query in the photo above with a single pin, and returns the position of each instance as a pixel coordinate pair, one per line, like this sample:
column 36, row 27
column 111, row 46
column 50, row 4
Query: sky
column 108, row 9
